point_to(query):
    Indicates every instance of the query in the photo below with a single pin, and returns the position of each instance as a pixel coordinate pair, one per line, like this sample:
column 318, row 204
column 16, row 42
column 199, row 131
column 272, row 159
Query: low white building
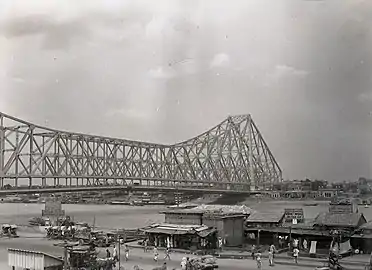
column 26, row 259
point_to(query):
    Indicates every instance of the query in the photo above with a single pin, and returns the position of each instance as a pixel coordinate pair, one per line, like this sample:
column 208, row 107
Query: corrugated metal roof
column 338, row 219
column 266, row 217
column 293, row 231
column 213, row 209
column 175, row 229
column 206, row 232
column 183, row 211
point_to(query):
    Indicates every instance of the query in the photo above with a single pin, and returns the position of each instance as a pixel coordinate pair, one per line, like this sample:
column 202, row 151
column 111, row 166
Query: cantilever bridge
column 230, row 157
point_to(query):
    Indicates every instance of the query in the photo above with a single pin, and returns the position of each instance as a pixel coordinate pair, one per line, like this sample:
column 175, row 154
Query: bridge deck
column 127, row 188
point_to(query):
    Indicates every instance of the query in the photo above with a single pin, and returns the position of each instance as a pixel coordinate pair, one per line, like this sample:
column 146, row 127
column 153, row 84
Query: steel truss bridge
column 230, row 157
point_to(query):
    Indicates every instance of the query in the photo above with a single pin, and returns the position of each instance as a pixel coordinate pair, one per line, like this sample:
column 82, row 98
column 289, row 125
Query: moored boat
column 310, row 204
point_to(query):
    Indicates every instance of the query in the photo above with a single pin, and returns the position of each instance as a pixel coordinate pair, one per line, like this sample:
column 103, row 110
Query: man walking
column 167, row 254
column 115, row 254
column 258, row 260
column 272, row 250
column 253, row 251
column 156, row 254
column 126, row 252
column 271, row 258
column 220, row 243
column 145, row 243
column 295, row 255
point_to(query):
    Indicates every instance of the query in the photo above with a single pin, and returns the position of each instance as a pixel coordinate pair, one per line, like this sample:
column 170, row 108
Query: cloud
column 18, row 80
column 283, row 71
column 220, row 60
column 127, row 113
column 365, row 97
column 55, row 34
column 105, row 67
column 160, row 73
column 155, row 27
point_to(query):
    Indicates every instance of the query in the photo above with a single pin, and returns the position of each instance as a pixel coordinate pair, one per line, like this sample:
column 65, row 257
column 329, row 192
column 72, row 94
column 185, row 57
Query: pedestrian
column 253, row 251
column 115, row 254
column 271, row 258
column 258, row 260
column 188, row 264
column 272, row 251
column 304, row 244
column 295, row 255
column 295, row 243
column 108, row 254
column 156, row 254
column 167, row 254
column 183, row 263
column 126, row 249
column 220, row 243
column 145, row 243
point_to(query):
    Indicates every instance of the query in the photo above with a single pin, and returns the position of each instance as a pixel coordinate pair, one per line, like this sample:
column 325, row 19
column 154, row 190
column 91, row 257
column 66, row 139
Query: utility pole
column 118, row 236
column 94, row 222
column 65, row 266
column 65, row 261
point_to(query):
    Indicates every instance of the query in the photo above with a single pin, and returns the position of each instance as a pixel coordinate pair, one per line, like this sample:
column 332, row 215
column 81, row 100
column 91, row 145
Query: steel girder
column 231, row 155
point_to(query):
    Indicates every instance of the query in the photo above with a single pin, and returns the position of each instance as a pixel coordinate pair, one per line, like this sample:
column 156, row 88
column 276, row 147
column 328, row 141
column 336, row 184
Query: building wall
column 262, row 224
column 342, row 208
column 275, row 195
column 183, row 219
column 327, row 193
column 215, row 222
column 234, row 230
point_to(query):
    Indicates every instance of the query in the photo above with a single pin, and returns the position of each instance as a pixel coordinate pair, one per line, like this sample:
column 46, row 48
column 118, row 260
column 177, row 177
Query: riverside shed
column 26, row 259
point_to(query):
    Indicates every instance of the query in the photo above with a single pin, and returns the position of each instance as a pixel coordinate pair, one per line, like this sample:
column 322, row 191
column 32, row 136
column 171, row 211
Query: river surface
column 123, row 216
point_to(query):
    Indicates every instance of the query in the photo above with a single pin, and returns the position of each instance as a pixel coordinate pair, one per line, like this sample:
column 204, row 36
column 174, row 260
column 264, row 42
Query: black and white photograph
column 186, row 134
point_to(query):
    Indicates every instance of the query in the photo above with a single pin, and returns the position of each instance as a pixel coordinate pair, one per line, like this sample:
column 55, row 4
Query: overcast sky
column 164, row 71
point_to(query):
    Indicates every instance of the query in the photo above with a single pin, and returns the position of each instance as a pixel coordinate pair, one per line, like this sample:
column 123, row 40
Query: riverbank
column 123, row 216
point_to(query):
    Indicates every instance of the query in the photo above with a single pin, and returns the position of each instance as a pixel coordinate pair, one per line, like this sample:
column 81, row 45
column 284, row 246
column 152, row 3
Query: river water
column 123, row 216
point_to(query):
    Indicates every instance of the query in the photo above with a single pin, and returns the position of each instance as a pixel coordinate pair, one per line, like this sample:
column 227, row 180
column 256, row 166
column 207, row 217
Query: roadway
column 4, row 192
column 136, row 257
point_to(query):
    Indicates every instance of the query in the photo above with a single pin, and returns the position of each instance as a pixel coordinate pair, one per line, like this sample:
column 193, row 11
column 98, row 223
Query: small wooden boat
column 310, row 204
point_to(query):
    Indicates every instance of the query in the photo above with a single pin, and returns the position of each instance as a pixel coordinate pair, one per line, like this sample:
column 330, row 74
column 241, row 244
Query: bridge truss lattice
column 232, row 155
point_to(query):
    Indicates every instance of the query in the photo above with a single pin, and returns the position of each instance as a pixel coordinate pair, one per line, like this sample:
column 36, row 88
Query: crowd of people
column 187, row 263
